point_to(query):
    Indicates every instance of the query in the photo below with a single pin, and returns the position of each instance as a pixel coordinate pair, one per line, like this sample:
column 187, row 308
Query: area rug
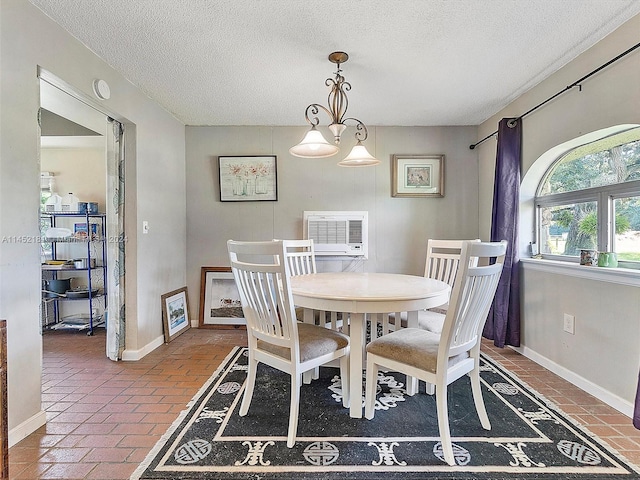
column 529, row 439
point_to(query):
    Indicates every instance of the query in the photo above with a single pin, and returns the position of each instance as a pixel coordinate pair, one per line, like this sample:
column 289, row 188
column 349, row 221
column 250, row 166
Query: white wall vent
column 337, row 233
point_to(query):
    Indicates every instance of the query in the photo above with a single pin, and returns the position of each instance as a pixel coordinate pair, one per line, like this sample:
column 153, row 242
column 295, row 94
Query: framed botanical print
column 417, row 176
column 248, row 178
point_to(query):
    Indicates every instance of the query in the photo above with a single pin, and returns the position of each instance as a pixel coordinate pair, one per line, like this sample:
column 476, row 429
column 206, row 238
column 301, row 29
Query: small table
column 360, row 293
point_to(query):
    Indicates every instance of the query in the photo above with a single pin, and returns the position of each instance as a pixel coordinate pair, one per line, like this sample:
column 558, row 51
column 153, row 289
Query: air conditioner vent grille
column 328, row 231
column 337, row 233
column 355, row 231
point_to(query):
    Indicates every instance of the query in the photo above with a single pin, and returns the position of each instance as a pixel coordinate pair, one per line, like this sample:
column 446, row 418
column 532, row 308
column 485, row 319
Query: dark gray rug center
column 528, row 440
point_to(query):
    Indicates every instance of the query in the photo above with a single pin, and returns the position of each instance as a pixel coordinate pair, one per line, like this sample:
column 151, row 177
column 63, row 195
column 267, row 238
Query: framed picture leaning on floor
column 175, row 313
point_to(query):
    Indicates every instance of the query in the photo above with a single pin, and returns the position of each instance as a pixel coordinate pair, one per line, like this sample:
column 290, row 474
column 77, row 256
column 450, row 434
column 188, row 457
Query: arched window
column 589, row 199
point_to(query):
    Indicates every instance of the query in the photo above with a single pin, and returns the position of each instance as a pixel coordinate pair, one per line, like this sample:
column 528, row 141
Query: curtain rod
column 569, row 87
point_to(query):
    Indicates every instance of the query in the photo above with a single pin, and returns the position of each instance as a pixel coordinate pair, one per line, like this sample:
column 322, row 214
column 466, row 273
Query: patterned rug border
column 178, row 421
column 554, row 406
column 225, row 363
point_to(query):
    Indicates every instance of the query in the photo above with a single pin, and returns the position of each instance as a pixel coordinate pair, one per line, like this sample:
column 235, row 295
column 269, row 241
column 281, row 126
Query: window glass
column 627, row 228
column 606, row 162
column 566, row 229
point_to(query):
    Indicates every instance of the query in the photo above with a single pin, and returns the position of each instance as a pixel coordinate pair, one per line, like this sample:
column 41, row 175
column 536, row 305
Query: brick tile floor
column 103, row 417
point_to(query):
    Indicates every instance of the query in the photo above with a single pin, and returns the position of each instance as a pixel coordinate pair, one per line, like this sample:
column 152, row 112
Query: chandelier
column 314, row 145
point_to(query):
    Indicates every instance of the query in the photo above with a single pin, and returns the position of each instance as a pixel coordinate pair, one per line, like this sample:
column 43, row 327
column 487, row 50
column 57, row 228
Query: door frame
column 128, row 137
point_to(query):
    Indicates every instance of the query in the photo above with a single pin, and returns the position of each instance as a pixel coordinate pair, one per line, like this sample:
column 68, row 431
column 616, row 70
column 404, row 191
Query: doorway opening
column 82, row 219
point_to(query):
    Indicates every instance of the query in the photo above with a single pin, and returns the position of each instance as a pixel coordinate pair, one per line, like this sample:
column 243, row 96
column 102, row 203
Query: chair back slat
column 443, row 267
column 300, row 255
column 262, row 277
column 472, row 296
column 443, row 259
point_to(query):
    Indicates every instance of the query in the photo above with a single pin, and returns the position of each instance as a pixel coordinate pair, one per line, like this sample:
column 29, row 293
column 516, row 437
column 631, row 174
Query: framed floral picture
column 248, row 178
column 175, row 313
column 417, row 176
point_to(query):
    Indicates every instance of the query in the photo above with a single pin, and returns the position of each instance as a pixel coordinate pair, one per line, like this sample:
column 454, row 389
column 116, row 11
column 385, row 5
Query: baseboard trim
column 597, row 391
column 130, row 355
column 27, row 427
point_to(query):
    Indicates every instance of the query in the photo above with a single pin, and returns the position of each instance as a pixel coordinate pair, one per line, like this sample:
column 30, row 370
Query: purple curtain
column 503, row 323
column 636, row 410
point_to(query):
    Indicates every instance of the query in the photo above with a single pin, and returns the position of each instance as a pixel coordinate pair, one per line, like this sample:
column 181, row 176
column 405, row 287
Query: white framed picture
column 418, row 176
column 248, row 178
column 219, row 298
column 175, row 313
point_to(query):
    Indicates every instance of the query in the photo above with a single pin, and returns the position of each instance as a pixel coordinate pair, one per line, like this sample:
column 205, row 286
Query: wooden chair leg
column 296, row 381
column 344, row 380
column 443, row 424
column 248, row 389
column 478, row 400
column 411, row 385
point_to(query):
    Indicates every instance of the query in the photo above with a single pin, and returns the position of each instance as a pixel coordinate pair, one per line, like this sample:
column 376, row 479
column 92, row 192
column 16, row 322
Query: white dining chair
column 440, row 359
column 275, row 337
column 443, row 259
column 442, row 263
column 301, row 257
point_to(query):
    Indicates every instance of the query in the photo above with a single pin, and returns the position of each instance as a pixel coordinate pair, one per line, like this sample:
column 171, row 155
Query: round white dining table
column 361, row 293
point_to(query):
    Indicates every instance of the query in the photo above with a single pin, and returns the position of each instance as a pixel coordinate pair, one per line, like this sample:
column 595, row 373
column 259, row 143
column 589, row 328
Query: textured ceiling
column 412, row 62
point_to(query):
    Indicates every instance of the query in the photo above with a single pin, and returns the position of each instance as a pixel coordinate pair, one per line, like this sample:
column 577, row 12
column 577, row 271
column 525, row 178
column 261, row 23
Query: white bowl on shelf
column 58, row 232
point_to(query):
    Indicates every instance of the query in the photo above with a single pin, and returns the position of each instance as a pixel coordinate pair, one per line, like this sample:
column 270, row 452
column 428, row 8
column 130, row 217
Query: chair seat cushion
column 432, row 319
column 314, row 342
column 411, row 346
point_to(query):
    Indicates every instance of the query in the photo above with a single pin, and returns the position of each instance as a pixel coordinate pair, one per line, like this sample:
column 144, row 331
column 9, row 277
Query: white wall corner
column 27, row 427
column 130, row 355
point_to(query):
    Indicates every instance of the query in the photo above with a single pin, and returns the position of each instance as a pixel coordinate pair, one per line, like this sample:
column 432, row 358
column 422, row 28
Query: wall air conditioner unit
column 337, row 233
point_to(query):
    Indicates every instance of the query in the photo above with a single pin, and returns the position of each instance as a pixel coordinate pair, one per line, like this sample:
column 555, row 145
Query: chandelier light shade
column 314, row 145
column 359, row 157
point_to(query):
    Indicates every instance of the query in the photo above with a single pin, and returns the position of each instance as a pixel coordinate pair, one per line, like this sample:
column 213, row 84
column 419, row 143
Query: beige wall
column 604, row 354
column 398, row 227
column 155, row 192
column 81, row 171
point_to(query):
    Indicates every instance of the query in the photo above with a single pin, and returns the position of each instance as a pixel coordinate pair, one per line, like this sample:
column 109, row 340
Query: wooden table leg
column 412, row 382
column 356, row 336
column 308, row 318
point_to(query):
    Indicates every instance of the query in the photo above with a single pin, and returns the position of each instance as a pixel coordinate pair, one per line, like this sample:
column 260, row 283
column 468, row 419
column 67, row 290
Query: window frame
column 604, row 197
